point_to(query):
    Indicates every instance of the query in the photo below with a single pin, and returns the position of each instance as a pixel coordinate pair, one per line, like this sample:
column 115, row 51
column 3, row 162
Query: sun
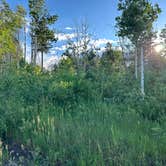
column 158, row 48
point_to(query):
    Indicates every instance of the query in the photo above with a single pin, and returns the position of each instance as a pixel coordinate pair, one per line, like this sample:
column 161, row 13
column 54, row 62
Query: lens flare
column 158, row 48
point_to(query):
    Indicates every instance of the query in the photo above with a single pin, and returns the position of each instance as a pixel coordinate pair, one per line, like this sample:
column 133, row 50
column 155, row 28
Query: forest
column 94, row 107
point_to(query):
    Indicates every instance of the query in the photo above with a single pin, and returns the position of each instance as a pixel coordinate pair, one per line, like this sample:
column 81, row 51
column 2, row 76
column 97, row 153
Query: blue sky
column 99, row 14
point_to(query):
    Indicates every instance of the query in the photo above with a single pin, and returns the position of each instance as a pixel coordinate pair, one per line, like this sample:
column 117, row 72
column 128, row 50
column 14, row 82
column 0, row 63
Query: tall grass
column 95, row 134
column 65, row 118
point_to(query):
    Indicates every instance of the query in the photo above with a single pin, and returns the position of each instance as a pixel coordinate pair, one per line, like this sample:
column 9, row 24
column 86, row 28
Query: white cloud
column 50, row 61
column 100, row 42
column 69, row 28
column 61, row 48
column 63, row 36
column 52, row 58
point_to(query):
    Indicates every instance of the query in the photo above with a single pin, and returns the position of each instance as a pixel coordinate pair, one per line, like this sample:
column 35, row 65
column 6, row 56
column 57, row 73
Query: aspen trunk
column 136, row 64
column 142, row 71
column 25, row 38
column 32, row 51
column 35, row 51
column 42, row 61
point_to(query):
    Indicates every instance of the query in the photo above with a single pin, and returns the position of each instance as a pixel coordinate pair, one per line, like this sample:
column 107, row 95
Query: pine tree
column 42, row 36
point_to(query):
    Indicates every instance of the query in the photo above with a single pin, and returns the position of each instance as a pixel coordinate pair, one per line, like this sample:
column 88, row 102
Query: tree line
column 134, row 24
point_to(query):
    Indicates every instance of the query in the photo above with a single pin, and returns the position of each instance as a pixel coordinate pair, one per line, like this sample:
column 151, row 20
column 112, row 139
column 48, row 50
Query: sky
column 99, row 14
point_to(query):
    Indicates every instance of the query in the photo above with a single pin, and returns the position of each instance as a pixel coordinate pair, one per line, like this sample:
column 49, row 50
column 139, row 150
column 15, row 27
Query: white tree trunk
column 136, row 64
column 32, row 50
column 35, row 51
column 25, row 39
column 142, row 71
column 42, row 61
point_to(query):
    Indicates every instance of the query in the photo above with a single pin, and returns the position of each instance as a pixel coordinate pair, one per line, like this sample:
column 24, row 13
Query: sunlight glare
column 158, row 48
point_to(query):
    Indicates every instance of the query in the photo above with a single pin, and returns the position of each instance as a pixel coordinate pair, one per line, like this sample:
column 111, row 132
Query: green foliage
column 78, row 117
column 88, row 111
column 137, row 19
column 71, row 86
column 10, row 23
column 111, row 59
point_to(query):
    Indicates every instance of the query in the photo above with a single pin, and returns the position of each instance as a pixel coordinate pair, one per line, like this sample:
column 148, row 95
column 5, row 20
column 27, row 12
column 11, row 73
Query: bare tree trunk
column 25, row 38
column 142, row 71
column 42, row 61
column 35, row 51
column 136, row 63
column 18, row 50
column 32, row 50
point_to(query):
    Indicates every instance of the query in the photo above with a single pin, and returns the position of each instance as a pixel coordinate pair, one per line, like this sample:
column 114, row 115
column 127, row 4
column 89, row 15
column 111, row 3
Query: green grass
column 63, row 119
column 96, row 134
